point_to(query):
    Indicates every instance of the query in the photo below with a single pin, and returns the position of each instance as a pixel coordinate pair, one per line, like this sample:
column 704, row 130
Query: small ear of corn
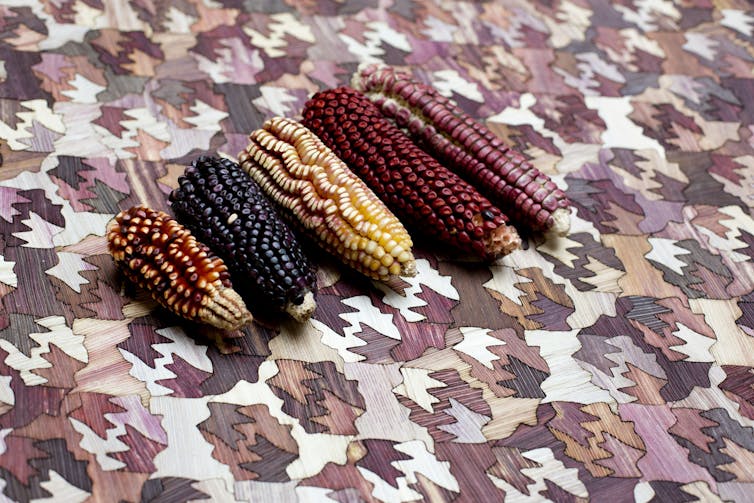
column 526, row 194
column 222, row 205
column 304, row 176
column 421, row 191
column 181, row 274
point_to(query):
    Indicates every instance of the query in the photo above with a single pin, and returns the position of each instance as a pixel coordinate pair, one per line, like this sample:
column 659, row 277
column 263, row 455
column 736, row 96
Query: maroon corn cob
column 417, row 188
column 468, row 147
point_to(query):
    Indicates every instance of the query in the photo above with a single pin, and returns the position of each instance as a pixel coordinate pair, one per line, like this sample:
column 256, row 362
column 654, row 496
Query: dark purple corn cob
column 219, row 202
column 419, row 190
column 468, row 147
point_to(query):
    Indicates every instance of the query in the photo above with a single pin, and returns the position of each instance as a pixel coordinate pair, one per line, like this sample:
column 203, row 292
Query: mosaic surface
column 612, row 365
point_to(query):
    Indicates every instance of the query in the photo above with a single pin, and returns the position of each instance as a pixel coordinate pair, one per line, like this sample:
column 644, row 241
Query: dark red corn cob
column 526, row 194
column 222, row 205
column 419, row 190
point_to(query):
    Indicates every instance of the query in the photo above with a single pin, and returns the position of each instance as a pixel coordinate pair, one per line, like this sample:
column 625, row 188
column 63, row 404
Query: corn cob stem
column 180, row 273
column 319, row 191
column 415, row 186
column 220, row 203
column 529, row 196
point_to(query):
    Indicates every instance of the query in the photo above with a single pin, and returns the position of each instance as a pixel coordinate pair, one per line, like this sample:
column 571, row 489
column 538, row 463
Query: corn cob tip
column 226, row 310
column 364, row 69
column 561, row 222
column 408, row 269
column 303, row 311
column 111, row 225
column 502, row 241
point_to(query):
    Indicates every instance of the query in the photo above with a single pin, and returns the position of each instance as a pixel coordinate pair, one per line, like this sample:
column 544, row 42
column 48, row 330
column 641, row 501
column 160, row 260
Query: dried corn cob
column 526, row 194
column 299, row 172
column 222, row 205
column 414, row 185
column 183, row 275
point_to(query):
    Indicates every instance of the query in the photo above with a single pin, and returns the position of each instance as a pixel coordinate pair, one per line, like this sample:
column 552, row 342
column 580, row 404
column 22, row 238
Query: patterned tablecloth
column 611, row 365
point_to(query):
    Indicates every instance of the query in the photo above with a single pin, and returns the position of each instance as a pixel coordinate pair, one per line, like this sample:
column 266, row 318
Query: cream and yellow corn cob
column 330, row 202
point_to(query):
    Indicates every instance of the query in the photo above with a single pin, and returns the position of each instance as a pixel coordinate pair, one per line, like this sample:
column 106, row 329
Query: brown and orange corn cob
column 181, row 274
column 330, row 202
column 468, row 147
column 418, row 189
